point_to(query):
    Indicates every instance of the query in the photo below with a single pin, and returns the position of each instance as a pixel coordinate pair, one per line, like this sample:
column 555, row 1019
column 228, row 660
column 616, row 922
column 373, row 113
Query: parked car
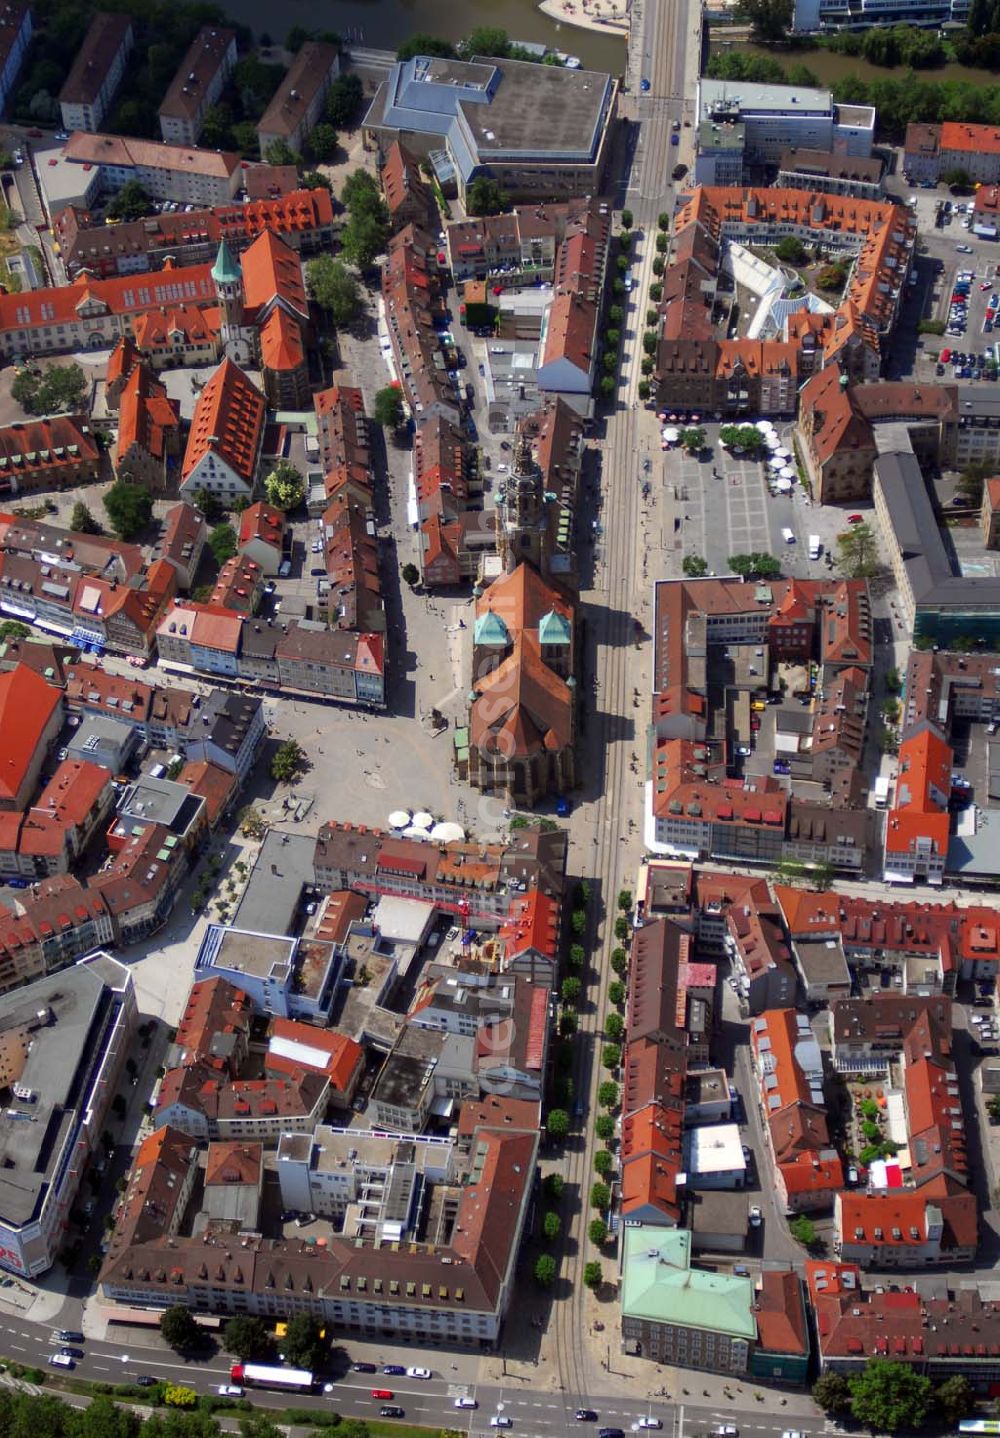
column 585, row 1415
column 229, row 1390
column 396, row 1369
column 363, row 1368
column 756, row 1219
column 390, row 1411
column 418, row 1373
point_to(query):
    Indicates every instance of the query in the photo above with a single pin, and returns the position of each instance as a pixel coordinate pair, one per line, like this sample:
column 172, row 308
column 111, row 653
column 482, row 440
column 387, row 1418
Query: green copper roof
column 553, row 628
column 490, row 629
column 659, row 1284
column 225, row 271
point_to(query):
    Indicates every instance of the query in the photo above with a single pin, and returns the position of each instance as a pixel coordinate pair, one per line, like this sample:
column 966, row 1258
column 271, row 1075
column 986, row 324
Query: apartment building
column 57, row 452
column 200, row 80
column 16, row 29
column 297, row 104
column 65, row 1041
column 90, row 87
column 776, row 118
column 166, row 172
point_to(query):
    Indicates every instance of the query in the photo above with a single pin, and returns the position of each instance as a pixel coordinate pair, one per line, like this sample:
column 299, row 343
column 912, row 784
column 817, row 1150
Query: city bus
column 264, row 1375
column 979, row 1425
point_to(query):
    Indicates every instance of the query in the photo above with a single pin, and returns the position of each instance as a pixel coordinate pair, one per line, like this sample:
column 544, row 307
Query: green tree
column 832, row 1393
column 625, row 900
column 424, row 45
column 958, row 178
column 545, row 1270
column 887, row 1396
column 485, row 40
column 627, row 219
column 551, row 1226
column 694, row 566
column 603, row 1162
column 593, row 1275
column 222, row 542
column 388, row 407
column 363, row 238
column 607, row 1094
column 410, row 574
column 552, row 1186
column 81, row 521
column 597, row 1231
column 611, row 1056
column 14, row 629
column 649, row 342
column 619, row 961
column 59, row 390
column 770, row 19
column 334, row 288
column 578, row 923
column 178, row 1327
column 209, row 504
column 303, row 1345
column 178, row 1395
column 577, row 956
column 604, row 1127
column 857, row 551
column 992, row 1103
column 557, row 1124
column 663, row 221
column 755, row 565
column 284, row 486
column 621, row 927
column 791, row 251
column 955, row 1399
column 614, row 1026
column 600, row 1195
column 131, row 202
column 246, row 1337
column 616, row 992
column 360, row 193
column 571, row 990
column 803, row 1230
column 343, row 100
column 288, row 762
column 280, row 152
column 129, row 508
column 322, row 143
column 693, row 439
column 485, row 197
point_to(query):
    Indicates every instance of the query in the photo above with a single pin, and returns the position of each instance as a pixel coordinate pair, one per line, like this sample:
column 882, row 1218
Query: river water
column 384, row 24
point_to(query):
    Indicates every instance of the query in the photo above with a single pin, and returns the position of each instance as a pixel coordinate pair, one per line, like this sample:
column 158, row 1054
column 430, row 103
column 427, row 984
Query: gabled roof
column 27, row 705
column 228, row 421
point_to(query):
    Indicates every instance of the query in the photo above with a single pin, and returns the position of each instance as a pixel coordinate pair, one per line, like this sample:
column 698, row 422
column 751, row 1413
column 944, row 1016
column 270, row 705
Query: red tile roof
column 228, row 421
column 27, row 705
column 147, row 418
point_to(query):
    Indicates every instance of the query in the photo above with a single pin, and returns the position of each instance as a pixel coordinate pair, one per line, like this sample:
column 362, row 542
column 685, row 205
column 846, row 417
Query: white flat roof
column 402, row 920
column 305, row 1054
column 715, row 1148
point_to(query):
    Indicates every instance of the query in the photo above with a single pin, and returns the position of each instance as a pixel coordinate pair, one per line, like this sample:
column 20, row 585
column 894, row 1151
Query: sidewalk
column 599, row 15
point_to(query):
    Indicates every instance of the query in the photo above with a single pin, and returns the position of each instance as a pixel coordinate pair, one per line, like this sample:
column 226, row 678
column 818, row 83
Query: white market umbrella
column 671, row 435
column 772, row 441
column 785, row 454
column 765, row 426
column 423, row 820
column 775, row 462
column 784, row 485
column 788, row 472
column 448, row 832
column 399, row 818
column 413, row 832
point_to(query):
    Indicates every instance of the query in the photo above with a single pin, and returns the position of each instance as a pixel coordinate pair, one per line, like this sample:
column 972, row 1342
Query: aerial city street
column 499, row 612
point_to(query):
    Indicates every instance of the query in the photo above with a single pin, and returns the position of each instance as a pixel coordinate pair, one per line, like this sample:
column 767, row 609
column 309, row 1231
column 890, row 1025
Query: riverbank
column 828, row 66
column 605, row 17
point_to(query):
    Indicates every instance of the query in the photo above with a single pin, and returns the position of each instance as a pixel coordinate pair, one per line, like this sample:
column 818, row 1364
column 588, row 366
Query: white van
column 61, row 1360
column 815, row 548
column 788, row 535
column 466, row 1403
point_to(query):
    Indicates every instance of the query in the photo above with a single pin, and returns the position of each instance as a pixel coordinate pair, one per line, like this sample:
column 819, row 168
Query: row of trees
column 247, row 1338
column 887, row 1396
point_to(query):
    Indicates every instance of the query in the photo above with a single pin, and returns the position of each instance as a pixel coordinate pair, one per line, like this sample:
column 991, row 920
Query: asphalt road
column 429, row 1403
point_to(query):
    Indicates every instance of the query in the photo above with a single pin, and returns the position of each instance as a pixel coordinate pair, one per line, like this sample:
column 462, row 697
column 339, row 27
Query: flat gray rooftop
column 541, row 110
column 242, row 951
column 60, row 1019
column 283, row 866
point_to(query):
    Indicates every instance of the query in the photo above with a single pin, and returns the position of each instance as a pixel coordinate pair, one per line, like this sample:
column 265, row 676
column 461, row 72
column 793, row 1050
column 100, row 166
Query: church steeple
column 228, row 280
column 522, row 522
